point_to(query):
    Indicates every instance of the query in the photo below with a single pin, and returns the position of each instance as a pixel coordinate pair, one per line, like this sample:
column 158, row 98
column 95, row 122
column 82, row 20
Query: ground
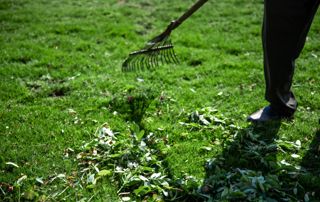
column 61, row 83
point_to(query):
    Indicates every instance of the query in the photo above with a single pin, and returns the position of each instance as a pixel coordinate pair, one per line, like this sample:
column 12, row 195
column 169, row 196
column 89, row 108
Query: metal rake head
column 155, row 53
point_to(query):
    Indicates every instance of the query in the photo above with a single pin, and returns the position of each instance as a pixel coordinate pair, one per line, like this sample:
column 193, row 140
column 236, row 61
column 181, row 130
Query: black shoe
column 267, row 114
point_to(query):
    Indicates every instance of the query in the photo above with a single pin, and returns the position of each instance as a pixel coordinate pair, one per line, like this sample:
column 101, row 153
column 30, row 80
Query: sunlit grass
column 60, row 79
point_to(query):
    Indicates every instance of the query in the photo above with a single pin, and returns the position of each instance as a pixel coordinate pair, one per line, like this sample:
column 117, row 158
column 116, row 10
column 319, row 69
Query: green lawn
column 61, row 82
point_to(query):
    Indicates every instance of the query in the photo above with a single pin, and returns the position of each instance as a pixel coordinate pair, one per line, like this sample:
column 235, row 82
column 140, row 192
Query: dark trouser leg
column 285, row 27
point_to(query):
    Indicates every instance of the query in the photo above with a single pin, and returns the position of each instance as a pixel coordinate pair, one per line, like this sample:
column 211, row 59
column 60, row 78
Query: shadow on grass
column 244, row 170
column 248, row 169
column 310, row 178
column 133, row 105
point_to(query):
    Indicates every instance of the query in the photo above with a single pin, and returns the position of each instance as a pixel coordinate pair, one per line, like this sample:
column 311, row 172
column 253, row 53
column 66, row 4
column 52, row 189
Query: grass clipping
column 246, row 170
column 133, row 162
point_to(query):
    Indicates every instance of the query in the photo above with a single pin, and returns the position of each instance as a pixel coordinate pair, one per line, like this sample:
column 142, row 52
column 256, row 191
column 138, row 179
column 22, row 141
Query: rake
column 158, row 50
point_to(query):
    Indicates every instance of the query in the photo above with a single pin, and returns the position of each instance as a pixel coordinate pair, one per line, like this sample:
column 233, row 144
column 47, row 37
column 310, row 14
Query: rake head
column 157, row 51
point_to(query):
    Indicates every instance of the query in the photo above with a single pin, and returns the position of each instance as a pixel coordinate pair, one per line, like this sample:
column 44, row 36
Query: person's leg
column 285, row 27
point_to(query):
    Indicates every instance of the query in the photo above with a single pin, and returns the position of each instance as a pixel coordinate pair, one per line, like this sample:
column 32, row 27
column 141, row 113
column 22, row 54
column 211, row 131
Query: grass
column 60, row 79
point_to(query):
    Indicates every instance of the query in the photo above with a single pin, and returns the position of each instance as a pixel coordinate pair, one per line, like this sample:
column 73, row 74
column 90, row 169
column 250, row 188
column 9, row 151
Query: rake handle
column 176, row 23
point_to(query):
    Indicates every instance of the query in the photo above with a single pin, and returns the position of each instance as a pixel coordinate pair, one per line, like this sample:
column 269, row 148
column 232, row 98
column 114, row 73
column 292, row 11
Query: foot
column 267, row 114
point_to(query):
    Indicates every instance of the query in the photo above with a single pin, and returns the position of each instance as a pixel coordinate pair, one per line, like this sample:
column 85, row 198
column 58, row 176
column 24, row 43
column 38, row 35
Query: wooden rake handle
column 176, row 23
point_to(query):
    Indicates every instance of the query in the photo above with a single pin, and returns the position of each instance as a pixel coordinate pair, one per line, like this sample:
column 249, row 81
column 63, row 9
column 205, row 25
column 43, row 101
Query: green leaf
column 140, row 135
column 90, row 186
column 225, row 192
column 237, row 195
column 30, row 194
column 147, row 169
column 104, row 173
column 142, row 190
column 116, row 155
column 132, row 181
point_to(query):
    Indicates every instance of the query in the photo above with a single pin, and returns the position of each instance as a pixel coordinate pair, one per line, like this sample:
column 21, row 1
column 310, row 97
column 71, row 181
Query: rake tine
column 154, row 58
column 124, row 65
column 141, row 63
column 161, row 57
column 171, row 52
column 174, row 57
column 136, row 61
column 147, row 62
column 151, row 60
column 167, row 57
column 131, row 65
column 163, row 53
